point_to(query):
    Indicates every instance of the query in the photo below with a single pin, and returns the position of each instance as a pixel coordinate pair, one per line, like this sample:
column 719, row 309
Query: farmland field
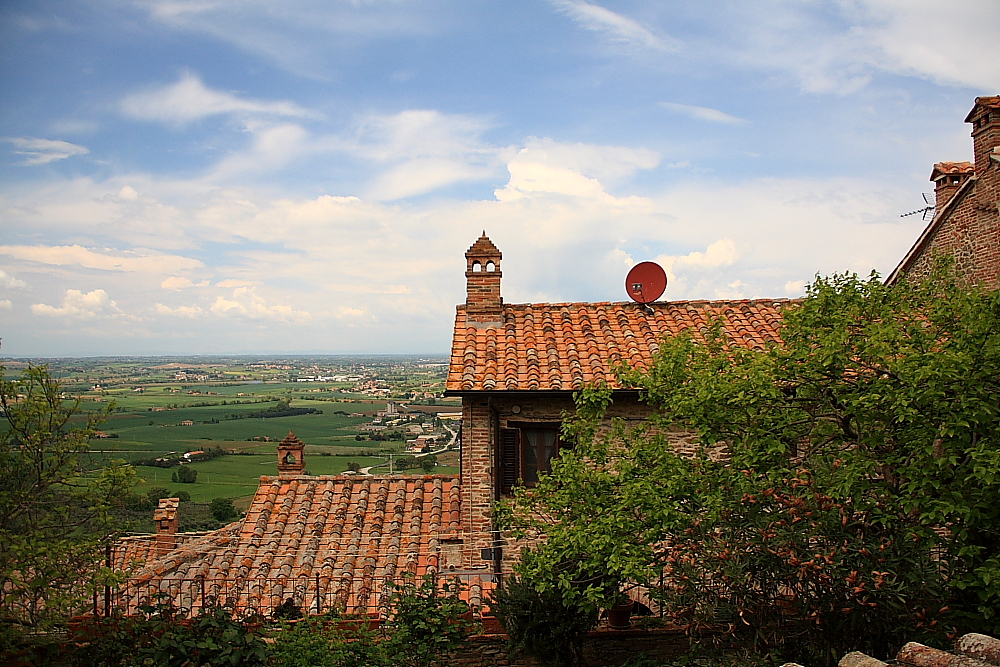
column 159, row 413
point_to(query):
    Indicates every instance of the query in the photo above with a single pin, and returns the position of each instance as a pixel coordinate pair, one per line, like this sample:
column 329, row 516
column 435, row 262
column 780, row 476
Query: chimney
column 291, row 456
column 985, row 119
column 482, row 278
column 165, row 517
column 948, row 177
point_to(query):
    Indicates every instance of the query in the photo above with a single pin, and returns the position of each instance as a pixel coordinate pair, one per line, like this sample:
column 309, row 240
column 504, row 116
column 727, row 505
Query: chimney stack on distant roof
column 948, row 178
column 985, row 119
column 482, row 275
column 167, row 522
column 291, row 456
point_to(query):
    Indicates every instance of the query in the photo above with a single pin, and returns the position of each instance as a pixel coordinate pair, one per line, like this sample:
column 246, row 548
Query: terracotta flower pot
column 620, row 616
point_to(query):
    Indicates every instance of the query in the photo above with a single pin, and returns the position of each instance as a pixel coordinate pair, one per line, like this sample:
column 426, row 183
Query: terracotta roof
column 943, row 168
column 563, row 346
column 992, row 102
column 347, row 535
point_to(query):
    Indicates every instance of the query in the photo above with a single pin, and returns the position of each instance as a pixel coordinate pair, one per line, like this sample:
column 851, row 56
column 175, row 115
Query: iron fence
column 262, row 595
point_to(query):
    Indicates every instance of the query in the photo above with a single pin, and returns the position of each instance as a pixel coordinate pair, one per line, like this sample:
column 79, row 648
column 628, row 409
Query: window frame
column 512, row 443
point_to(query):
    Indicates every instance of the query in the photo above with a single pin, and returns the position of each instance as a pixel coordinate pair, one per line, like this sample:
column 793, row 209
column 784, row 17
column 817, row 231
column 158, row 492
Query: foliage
column 185, row 475
column 315, row 642
column 426, row 622
column 542, row 624
column 157, row 493
column 428, row 463
column 223, row 509
column 287, row 611
column 161, row 637
column 183, row 496
column 857, row 486
column 54, row 518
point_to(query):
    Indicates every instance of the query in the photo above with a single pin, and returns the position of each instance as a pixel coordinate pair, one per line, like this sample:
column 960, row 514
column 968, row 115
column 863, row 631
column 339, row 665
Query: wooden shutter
column 510, row 446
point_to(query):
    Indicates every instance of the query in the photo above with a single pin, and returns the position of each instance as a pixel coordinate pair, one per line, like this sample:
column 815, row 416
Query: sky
column 304, row 176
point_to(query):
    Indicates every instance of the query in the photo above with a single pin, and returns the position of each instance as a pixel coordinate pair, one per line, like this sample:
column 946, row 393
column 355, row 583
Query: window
column 526, row 451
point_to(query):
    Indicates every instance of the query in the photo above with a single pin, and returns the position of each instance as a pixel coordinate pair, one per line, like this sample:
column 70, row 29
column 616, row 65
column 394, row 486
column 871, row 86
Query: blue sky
column 202, row 176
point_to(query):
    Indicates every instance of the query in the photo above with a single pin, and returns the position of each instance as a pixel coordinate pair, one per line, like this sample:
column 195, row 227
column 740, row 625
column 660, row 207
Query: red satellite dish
column 646, row 282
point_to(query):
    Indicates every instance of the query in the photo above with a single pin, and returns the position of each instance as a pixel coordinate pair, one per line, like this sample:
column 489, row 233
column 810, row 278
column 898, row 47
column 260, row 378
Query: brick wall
column 603, row 647
column 967, row 225
column 482, row 416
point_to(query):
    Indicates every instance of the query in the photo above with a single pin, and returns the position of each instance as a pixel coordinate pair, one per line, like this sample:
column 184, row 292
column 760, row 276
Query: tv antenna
column 645, row 283
column 927, row 211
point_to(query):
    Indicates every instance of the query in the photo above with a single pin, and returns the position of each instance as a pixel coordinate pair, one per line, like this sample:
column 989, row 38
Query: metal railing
column 262, row 595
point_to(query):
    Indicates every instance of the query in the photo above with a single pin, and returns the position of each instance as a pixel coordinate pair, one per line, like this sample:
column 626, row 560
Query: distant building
column 187, row 422
column 967, row 205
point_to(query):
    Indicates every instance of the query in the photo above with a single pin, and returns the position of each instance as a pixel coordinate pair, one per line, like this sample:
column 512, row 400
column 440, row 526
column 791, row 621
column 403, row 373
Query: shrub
column 427, row 622
column 541, row 623
column 157, row 637
column 312, row 643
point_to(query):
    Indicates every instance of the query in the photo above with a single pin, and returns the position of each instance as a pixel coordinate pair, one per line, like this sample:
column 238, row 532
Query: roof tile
column 562, row 346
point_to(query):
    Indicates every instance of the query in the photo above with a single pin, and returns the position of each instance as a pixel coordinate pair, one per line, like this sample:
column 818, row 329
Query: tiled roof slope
column 347, row 534
column 563, row 346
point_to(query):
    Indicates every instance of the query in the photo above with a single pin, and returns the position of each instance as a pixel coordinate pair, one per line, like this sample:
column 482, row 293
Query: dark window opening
column 526, row 452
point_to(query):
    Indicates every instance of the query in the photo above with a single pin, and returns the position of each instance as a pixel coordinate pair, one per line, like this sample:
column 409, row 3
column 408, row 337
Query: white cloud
column 231, row 282
column 618, row 27
column 179, row 283
column 77, row 304
column 719, row 254
column 424, row 150
column 5, row 304
column 915, row 37
column 703, row 113
column 9, row 281
column 189, row 99
column 837, row 46
column 577, row 170
column 272, row 148
column 138, row 260
column 43, row 151
column 180, row 311
column 795, row 287
column 247, row 303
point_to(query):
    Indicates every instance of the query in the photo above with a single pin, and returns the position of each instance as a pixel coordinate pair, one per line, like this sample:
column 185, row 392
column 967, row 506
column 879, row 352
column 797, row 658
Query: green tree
column 187, row 475
column 847, row 476
column 428, row 463
column 157, row 493
column 55, row 512
column 223, row 510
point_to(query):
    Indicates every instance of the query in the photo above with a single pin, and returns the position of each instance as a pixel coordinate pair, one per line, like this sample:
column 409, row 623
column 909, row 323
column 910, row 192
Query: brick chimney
column 165, row 517
column 985, row 119
column 291, row 456
column 948, row 178
column 482, row 275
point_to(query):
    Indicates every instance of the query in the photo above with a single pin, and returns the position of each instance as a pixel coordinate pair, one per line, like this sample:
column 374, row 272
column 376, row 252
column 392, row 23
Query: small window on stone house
column 526, row 451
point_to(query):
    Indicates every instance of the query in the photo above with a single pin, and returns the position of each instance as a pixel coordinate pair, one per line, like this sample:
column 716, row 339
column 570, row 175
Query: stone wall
column 602, row 647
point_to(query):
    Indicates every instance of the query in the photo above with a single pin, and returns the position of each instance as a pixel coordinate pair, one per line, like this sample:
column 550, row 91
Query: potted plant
column 620, row 612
